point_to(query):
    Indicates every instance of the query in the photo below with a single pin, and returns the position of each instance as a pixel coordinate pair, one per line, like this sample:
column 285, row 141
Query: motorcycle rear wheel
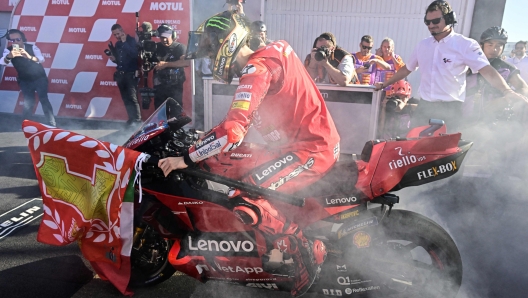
column 150, row 260
column 417, row 257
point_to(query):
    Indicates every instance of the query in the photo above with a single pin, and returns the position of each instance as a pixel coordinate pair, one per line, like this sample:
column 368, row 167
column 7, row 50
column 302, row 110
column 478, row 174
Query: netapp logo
column 59, row 81
column 108, row 83
column 166, row 6
column 73, row 107
column 93, row 57
column 10, row 79
column 28, row 29
column 117, row 3
column 60, row 2
column 77, row 30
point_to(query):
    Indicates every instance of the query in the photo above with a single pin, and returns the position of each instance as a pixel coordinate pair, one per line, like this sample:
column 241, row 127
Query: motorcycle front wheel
column 150, row 259
column 416, row 257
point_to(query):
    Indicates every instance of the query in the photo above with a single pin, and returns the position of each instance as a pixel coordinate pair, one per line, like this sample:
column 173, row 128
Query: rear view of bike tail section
column 427, row 154
column 412, row 255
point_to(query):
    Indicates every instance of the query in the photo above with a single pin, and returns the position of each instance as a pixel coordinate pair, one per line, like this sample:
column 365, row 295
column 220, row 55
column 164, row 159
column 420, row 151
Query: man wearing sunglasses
column 444, row 59
column 367, row 63
column 27, row 59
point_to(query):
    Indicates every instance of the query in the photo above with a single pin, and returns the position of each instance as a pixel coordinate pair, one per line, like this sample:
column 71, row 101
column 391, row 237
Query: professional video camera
column 147, row 47
column 147, row 50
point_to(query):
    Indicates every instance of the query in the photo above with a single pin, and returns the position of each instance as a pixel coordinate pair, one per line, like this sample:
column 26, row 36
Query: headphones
column 11, row 31
column 450, row 16
column 167, row 27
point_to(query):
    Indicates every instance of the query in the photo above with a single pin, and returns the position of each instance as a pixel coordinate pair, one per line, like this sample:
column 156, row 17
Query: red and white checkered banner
column 72, row 35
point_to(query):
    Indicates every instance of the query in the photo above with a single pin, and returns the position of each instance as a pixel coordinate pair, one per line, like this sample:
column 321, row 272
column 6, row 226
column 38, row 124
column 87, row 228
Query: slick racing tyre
column 425, row 261
column 150, row 259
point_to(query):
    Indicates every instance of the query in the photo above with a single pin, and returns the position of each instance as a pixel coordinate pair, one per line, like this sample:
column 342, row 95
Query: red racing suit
column 277, row 96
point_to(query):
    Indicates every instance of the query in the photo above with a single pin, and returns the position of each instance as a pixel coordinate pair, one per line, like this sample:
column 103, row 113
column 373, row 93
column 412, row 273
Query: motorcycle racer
column 276, row 96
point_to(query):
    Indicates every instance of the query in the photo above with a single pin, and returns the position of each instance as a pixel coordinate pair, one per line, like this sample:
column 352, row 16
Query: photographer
column 259, row 35
column 396, row 111
column 27, row 59
column 124, row 54
column 169, row 74
column 329, row 63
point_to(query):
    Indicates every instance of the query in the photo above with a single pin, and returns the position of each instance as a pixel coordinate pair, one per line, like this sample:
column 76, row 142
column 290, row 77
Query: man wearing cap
column 169, row 74
column 337, row 68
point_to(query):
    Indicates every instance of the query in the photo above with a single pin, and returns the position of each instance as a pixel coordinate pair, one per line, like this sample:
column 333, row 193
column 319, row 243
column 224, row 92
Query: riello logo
column 166, row 6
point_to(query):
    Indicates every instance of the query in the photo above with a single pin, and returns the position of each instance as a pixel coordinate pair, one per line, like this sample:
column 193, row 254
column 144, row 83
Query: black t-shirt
column 170, row 76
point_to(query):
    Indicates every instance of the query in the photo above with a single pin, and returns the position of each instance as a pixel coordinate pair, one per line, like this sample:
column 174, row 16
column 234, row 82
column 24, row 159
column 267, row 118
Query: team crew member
column 277, row 96
column 444, row 58
column 125, row 55
column 479, row 92
column 27, row 60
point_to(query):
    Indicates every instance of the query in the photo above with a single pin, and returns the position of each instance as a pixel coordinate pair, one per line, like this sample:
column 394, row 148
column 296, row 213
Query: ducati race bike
column 184, row 222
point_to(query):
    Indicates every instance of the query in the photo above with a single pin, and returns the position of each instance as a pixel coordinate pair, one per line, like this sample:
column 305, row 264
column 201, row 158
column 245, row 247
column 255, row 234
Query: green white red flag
column 87, row 191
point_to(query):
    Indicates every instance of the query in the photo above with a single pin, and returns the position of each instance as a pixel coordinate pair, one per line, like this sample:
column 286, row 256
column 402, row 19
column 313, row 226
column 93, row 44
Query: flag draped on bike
column 87, row 188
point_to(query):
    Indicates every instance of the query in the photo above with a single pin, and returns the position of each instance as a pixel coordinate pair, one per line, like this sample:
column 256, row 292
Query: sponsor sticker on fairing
column 438, row 170
column 361, row 239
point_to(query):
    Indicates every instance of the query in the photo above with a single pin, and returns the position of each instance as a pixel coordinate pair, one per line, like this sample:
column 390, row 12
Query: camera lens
column 391, row 105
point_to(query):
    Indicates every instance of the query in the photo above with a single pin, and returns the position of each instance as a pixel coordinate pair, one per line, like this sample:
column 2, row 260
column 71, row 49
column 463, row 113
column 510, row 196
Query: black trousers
column 165, row 91
column 450, row 112
column 128, row 84
column 28, row 88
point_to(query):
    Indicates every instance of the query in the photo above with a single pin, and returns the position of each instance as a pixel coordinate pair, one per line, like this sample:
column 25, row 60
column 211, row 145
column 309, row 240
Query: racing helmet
column 400, row 88
column 494, row 32
column 257, row 27
column 220, row 38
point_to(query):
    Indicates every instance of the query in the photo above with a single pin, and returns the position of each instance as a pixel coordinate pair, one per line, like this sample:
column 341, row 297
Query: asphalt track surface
column 486, row 218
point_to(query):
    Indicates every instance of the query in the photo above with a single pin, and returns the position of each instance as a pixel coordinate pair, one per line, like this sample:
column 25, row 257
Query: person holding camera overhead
column 329, row 63
column 27, row 59
column 169, row 74
column 125, row 55
column 367, row 64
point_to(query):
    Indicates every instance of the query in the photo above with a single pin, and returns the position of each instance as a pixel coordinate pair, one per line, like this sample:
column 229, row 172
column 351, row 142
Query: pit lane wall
column 72, row 35
column 354, row 109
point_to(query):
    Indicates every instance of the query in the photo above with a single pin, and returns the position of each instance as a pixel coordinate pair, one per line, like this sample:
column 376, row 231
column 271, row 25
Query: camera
column 321, row 53
column 146, row 96
column 392, row 104
column 254, row 42
column 366, row 65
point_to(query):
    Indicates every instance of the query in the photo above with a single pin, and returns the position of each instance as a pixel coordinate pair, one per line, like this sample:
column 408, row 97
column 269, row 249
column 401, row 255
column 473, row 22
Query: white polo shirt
column 443, row 66
column 521, row 64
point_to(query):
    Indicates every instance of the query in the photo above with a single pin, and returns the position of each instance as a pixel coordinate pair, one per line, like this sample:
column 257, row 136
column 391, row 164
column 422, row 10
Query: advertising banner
column 72, row 35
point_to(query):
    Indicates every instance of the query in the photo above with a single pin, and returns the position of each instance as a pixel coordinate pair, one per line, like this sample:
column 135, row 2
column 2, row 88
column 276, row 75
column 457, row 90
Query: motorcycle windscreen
column 154, row 125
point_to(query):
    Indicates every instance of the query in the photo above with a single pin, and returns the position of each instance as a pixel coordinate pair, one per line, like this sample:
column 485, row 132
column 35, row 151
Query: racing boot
column 307, row 258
